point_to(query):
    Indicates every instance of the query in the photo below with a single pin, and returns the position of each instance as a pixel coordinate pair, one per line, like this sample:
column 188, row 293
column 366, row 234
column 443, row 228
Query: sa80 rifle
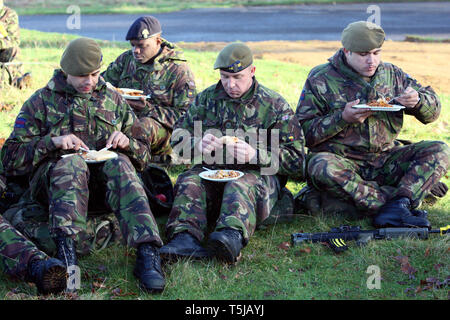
column 337, row 237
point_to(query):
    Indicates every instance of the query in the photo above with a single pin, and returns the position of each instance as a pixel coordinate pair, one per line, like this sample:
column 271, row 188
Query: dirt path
column 429, row 63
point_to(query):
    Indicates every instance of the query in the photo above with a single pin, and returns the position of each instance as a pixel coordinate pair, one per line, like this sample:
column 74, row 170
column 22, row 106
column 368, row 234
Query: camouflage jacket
column 9, row 23
column 168, row 80
column 58, row 109
column 260, row 110
column 330, row 86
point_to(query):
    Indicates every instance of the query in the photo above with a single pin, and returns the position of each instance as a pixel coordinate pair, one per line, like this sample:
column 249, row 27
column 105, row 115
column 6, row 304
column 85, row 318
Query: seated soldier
column 158, row 68
column 214, row 127
column 354, row 155
column 76, row 110
column 10, row 69
column 20, row 258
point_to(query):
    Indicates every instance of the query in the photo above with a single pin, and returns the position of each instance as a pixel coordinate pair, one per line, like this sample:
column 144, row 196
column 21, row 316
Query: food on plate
column 98, row 155
column 136, row 93
column 229, row 139
column 222, row 174
column 379, row 103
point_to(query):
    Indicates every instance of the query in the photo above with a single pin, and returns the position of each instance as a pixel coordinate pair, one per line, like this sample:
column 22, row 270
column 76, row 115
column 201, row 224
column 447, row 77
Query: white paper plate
column 205, row 175
column 395, row 107
column 126, row 96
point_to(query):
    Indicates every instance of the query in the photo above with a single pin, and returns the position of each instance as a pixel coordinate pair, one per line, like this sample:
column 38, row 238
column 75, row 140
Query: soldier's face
column 84, row 84
column 144, row 50
column 365, row 63
column 236, row 84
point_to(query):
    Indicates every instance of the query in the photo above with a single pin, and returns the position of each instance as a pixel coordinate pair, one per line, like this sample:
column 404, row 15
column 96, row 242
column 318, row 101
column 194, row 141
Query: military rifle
column 337, row 236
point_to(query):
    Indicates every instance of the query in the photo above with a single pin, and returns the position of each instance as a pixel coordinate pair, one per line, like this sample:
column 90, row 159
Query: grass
column 270, row 268
column 27, row 7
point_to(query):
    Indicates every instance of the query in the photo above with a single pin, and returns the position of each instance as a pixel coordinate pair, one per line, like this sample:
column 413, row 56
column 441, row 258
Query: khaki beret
column 234, row 57
column 81, row 57
column 362, row 36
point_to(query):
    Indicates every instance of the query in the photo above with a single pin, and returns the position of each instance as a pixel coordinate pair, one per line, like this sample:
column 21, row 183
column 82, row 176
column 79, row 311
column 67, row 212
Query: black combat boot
column 183, row 245
column 396, row 213
column 50, row 276
column 226, row 245
column 148, row 268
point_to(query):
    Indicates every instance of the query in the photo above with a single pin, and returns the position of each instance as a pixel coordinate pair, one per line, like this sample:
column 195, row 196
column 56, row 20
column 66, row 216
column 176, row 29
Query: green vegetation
column 270, row 268
column 25, row 7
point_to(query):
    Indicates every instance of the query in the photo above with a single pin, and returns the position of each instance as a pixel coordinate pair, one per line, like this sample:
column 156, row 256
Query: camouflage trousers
column 10, row 74
column 70, row 185
column 405, row 171
column 159, row 136
column 201, row 206
column 16, row 251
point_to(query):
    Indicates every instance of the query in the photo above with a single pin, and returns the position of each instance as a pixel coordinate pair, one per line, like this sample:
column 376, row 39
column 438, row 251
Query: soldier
column 236, row 105
column 353, row 153
column 74, row 110
column 20, row 258
column 157, row 67
column 10, row 68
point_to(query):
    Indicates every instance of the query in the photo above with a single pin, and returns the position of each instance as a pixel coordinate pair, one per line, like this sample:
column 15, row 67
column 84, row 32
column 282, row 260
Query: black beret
column 144, row 28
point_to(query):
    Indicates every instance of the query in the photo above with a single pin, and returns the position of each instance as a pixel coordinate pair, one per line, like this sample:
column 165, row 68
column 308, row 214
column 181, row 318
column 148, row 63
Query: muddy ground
column 429, row 63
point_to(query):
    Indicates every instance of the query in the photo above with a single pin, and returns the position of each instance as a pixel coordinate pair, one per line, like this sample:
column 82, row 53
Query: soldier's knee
column 72, row 164
column 321, row 165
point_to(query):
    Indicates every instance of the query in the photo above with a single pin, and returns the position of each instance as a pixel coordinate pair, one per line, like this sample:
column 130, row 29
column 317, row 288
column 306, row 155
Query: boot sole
column 219, row 250
column 54, row 280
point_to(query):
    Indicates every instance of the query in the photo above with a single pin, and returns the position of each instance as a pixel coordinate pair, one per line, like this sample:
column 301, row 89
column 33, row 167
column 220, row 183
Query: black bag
column 159, row 189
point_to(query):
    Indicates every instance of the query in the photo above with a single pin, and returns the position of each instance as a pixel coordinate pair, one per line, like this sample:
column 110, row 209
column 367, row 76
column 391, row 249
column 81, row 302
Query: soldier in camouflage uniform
column 76, row 109
column 10, row 69
column 353, row 153
column 20, row 258
column 157, row 67
column 236, row 105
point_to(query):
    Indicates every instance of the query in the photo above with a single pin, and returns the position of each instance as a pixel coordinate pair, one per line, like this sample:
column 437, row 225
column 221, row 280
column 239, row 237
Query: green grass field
column 155, row 6
column 270, row 268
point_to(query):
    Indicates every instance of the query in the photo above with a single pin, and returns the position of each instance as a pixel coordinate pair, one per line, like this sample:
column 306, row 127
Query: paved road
column 302, row 22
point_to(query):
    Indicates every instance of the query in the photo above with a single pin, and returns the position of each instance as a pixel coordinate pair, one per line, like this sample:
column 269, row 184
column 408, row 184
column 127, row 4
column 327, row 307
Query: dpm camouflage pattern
column 201, row 206
column 247, row 201
column 170, row 84
column 16, row 251
column 9, row 47
column 58, row 110
column 363, row 162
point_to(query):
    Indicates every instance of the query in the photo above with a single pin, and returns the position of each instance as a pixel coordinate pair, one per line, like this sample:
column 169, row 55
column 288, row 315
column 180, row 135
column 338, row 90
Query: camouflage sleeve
column 183, row 94
column 313, row 112
column 184, row 136
column 429, row 106
column 139, row 149
column 113, row 72
column 291, row 151
column 10, row 24
column 26, row 147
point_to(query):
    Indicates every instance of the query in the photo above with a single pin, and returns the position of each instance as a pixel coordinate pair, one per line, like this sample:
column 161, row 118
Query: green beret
column 362, row 36
column 234, row 57
column 81, row 57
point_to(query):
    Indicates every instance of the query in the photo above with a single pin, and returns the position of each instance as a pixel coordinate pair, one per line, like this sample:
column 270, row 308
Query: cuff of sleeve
column 48, row 143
